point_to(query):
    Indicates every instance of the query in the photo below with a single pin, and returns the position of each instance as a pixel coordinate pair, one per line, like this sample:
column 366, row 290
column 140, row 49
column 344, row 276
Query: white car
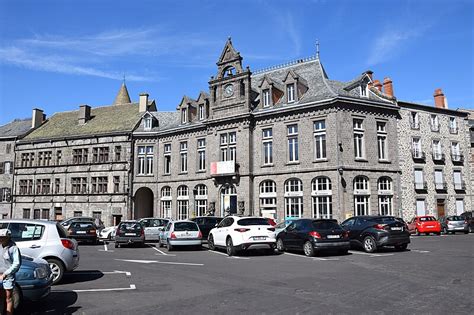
column 153, row 227
column 47, row 240
column 107, row 233
column 181, row 233
column 239, row 233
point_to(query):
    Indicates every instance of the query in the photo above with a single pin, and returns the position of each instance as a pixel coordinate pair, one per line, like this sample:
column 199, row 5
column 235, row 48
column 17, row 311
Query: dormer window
column 148, row 123
column 290, row 91
column 201, row 112
column 266, row 98
column 184, row 116
column 364, row 90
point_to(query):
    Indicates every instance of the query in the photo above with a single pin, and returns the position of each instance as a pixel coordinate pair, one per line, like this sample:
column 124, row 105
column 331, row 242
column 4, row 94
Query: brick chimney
column 37, row 118
column 378, row 85
column 439, row 99
column 387, row 86
column 143, row 103
column 84, row 114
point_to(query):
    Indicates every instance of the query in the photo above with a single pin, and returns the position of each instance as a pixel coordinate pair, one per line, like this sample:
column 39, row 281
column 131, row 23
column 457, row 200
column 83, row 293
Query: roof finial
column 124, row 78
column 317, row 49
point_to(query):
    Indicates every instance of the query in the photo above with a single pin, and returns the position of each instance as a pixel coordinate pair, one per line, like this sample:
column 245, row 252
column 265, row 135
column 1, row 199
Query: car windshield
column 455, row 218
column 253, row 221
column 185, row 226
column 325, row 225
column 154, row 222
column 83, row 225
column 427, row 219
column 130, row 226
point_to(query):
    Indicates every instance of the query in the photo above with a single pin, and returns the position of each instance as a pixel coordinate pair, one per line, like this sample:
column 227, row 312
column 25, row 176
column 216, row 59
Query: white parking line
column 368, row 254
column 216, row 252
column 159, row 251
column 419, row 251
column 159, row 262
column 237, row 257
column 105, row 247
column 132, row 287
column 301, row 256
column 325, row 259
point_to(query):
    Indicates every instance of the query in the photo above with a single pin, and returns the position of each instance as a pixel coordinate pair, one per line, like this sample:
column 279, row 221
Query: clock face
column 229, row 90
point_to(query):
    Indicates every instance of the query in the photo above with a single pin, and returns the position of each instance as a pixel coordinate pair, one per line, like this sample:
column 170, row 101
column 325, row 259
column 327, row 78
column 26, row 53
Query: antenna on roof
column 124, row 78
column 317, row 49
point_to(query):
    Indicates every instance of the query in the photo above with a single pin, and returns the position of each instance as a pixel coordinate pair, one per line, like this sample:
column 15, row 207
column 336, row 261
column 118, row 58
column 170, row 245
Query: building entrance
column 228, row 200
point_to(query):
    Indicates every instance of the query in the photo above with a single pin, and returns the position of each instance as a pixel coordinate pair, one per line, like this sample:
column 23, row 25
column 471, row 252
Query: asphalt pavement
column 434, row 276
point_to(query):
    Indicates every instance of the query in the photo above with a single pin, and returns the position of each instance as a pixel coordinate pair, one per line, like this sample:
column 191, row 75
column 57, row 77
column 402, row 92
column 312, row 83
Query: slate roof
column 104, row 120
column 122, row 96
column 15, row 128
column 166, row 120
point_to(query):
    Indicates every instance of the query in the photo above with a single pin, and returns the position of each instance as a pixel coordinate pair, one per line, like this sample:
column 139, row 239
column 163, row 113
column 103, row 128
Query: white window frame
column 359, row 139
column 267, row 146
column 183, row 152
column 266, row 98
column 319, row 133
column 291, row 92
column 293, row 146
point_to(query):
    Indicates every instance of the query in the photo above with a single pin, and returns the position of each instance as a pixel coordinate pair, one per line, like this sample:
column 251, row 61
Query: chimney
column 388, row 87
column 37, row 118
column 143, row 103
column 378, row 85
column 439, row 99
column 84, row 114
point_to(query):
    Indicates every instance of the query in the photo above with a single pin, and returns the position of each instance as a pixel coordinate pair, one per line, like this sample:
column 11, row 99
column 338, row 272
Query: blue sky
column 56, row 55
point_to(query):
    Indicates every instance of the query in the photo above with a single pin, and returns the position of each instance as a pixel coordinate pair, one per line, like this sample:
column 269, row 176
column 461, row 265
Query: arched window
column 166, row 200
column 200, row 197
column 322, row 197
column 183, row 202
column 268, row 199
column 361, row 195
column 385, row 192
column 229, row 71
column 293, row 198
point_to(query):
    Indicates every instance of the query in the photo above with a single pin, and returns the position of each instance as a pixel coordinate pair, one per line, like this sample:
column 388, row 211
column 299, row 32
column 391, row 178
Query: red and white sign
column 223, row 167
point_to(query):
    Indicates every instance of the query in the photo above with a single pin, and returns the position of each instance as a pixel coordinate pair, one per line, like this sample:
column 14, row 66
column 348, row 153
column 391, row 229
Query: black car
column 206, row 224
column 469, row 217
column 83, row 231
column 313, row 236
column 130, row 232
column 373, row 232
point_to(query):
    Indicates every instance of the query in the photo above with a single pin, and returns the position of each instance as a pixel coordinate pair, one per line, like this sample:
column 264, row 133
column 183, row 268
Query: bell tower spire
column 122, row 96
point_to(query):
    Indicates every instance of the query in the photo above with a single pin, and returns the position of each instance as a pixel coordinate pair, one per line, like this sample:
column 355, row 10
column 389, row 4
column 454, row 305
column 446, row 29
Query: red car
column 424, row 224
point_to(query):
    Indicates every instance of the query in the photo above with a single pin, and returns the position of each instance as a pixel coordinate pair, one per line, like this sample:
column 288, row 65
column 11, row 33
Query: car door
column 301, row 233
column 29, row 237
column 166, row 233
column 289, row 235
column 348, row 225
column 218, row 232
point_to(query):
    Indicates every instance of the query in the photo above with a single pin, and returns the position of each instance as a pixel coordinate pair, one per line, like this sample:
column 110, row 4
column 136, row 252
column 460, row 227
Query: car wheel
column 169, row 246
column 466, row 232
column 401, row 247
column 280, row 245
column 230, row 249
column 57, row 269
column 369, row 244
column 417, row 233
column 210, row 243
column 308, row 249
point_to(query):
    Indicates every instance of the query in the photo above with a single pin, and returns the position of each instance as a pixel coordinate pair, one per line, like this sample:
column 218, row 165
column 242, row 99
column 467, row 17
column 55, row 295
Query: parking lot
column 435, row 275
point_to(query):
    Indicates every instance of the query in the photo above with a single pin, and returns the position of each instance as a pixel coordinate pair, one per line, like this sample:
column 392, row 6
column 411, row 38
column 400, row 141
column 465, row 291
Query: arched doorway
column 143, row 202
column 228, row 200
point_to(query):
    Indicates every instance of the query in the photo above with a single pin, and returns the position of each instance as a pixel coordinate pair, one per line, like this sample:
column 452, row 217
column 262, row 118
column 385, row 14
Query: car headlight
column 41, row 273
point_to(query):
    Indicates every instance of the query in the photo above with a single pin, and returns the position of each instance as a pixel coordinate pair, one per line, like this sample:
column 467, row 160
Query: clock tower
column 230, row 88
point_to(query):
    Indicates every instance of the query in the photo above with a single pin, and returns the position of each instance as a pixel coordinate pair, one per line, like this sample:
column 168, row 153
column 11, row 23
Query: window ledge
column 144, row 175
column 166, row 174
column 361, row 160
column 293, row 163
column 183, row 173
column 267, row 165
column 201, row 171
column 320, row 160
column 385, row 161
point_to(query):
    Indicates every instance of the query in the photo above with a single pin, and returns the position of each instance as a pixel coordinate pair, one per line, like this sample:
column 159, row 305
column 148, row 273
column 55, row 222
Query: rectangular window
column 414, row 120
column 420, row 207
column 201, row 207
column 79, row 156
column 385, row 205
column 148, row 123
column 145, row 160
column 319, row 128
column 201, row 150
column 8, row 148
column 359, row 145
column 118, row 153
column 434, row 122
column 457, row 178
column 266, row 98
column 293, row 207
column 419, row 181
column 439, row 179
column 116, row 184
column 99, row 185
column 45, row 214
column 183, row 209
column 292, row 133
column 201, row 112
column 290, row 90
column 43, row 186
column 184, row 116
column 183, row 151
column 26, row 213
column 361, row 205
column 79, row 185
column 322, row 207
column 267, row 142
column 58, row 157
column 166, row 208
column 455, row 152
column 382, row 140
column 459, row 206
column 167, row 158
column 416, row 147
column 57, row 185
column 7, row 168
column 228, row 149
column 36, row 214
column 437, row 151
column 97, row 215
column 5, row 195
column 77, row 213
column 453, row 126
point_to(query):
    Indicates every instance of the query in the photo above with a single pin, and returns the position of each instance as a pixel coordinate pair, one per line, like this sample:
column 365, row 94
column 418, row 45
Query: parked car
column 469, row 216
column 181, row 233
column 47, row 240
column 107, row 233
column 424, row 224
column 373, row 232
column 282, row 225
column 129, row 232
column 236, row 233
column 206, row 224
column 34, row 278
column 83, row 231
column 153, row 227
column 66, row 223
column 453, row 224
column 312, row 236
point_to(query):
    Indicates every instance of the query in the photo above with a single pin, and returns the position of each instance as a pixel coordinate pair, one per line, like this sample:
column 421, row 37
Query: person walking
column 10, row 262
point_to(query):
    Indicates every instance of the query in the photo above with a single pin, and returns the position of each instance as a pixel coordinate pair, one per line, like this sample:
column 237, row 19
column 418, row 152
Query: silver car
column 47, row 240
column 181, row 233
column 153, row 227
column 453, row 224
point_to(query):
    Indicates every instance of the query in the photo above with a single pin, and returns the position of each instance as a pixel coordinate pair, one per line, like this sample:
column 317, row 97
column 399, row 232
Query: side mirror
column 217, row 224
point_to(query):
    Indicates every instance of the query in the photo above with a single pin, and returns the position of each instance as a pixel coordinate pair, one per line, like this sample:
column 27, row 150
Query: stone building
column 471, row 153
column 8, row 135
column 77, row 163
column 434, row 152
column 281, row 142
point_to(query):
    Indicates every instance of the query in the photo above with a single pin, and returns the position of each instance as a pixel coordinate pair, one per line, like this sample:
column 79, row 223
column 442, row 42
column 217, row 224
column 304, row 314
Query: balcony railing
column 441, row 186
column 457, row 158
column 420, row 185
column 460, row 186
column 418, row 154
column 438, row 157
